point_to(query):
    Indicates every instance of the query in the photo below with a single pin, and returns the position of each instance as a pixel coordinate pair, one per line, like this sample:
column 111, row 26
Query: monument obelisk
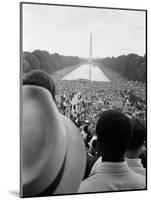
column 90, row 57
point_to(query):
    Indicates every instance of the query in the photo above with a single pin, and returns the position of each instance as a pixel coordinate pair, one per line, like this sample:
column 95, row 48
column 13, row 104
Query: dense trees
column 32, row 61
column 26, row 65
column 48, row 62
column 131, row 66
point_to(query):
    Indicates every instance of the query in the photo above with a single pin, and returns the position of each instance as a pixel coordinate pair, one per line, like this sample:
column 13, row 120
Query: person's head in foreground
column 113, row 174
column 136, row 147
column 42, row 79
column 137, row 142
column 53, row 156
column 113, row 130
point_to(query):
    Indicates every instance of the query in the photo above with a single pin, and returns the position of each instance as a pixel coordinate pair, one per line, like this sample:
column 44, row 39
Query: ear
column 142, row 149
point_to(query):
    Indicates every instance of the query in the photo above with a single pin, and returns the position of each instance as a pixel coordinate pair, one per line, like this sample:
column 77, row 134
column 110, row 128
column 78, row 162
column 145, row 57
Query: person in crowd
column 113, row 131
column 83, row 134
column 94, row 153
column 93, row 148
column 136, row 152
column 136, row 147
column 42, row 79
column 91, row 158
column 91, row 141
column 87, row 131
column 143, row 157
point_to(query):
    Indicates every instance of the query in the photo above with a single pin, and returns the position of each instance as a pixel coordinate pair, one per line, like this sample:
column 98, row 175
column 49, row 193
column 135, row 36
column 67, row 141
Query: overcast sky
column 66, row 30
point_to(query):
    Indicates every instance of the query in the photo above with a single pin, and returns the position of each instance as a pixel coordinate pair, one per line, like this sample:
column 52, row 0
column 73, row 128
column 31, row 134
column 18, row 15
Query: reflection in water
column 82, row 72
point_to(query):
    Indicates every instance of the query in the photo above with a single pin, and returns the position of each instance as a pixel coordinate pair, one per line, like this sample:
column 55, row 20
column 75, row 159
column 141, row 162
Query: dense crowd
column 100, row 110
column 82, row 100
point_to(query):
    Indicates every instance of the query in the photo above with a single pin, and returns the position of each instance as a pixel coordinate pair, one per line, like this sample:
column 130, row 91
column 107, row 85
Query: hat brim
column 73, row 168
column 43, row 141
column 75, row 162
column 63, row 172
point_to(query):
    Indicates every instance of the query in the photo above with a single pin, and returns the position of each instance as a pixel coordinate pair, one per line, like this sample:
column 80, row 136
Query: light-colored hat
column 53, row 157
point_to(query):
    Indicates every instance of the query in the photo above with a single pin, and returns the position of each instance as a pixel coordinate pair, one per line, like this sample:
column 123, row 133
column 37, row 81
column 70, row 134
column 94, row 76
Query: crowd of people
column 82, row 100
column 111, row 118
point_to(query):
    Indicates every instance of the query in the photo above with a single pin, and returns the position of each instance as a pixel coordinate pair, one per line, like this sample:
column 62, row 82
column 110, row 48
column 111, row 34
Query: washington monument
column 87, row 71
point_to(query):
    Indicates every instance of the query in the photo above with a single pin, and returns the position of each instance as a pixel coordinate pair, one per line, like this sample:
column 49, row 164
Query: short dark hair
column 114, row 130
column 138, row 134
column 40, row 78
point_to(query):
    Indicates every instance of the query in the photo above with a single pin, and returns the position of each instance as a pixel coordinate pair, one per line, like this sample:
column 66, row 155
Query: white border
column 9, row 98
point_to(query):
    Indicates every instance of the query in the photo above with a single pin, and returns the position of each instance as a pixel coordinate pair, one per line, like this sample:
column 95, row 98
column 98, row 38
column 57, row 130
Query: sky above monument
column 66, row 30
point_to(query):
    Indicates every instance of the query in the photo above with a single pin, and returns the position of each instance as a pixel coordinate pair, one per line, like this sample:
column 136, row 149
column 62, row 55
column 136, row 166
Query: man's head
column 113, row 130
column 138, row 138
column 40, row 78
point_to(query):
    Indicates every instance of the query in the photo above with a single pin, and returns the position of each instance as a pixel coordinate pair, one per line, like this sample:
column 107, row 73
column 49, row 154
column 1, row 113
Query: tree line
column 50, row 63
column 131, row 66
